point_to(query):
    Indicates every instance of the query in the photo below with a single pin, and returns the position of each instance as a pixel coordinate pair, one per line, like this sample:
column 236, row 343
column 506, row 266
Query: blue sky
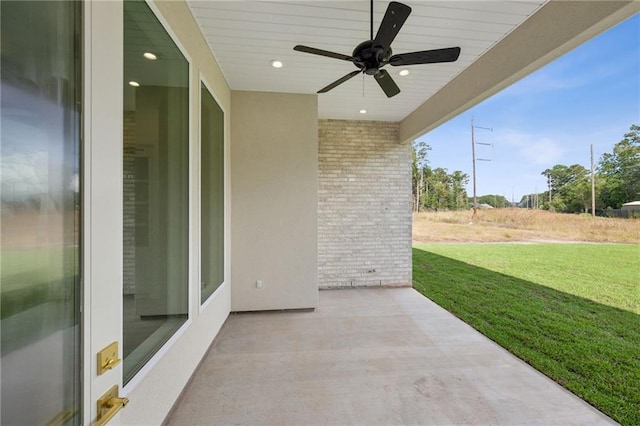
column 590, row 95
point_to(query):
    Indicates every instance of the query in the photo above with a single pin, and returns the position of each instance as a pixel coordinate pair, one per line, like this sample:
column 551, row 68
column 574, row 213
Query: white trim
column 167, row 28
column 204, row 80
column 198, row 200
column 193, row 184
column 102, row 195
column 216, row 293
column 227, row 202
column 202, row 306
column 150, row 365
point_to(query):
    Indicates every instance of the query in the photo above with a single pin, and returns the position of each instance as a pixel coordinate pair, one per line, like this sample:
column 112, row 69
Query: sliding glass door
column 40, row 214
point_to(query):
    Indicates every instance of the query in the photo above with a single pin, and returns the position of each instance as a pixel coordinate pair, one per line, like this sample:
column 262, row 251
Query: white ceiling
column 246, row 35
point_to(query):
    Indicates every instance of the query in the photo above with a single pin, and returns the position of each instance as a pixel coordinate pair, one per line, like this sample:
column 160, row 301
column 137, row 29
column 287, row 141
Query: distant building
column 632, row 207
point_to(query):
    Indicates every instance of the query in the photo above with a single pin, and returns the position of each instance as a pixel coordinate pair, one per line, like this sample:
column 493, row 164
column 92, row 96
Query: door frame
column 101, row 196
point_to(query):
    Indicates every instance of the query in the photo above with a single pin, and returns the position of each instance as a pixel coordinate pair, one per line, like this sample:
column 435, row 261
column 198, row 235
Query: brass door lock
column 108, row 358
column 108, row 405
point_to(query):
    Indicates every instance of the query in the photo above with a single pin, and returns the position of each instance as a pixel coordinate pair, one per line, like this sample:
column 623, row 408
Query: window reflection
column 39, row 193
column 212, row 188
column 156, row 192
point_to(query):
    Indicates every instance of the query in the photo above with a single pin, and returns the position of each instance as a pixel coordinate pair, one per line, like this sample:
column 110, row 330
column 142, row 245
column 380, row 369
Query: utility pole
column 420, row 189
column 473, row 155
column 549, row 183
column 593, row 186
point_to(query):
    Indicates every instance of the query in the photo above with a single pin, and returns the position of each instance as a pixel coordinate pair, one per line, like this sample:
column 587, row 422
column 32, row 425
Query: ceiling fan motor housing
column 369, row 57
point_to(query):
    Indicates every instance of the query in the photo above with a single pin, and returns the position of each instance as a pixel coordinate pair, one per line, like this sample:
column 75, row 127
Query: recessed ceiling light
column 150, row 56
column 276, row 64
column 363, row 111
column 403, row 72
column 134, row 84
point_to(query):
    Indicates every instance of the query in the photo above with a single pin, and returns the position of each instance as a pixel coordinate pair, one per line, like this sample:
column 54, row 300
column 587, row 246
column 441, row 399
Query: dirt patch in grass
column 521, row 225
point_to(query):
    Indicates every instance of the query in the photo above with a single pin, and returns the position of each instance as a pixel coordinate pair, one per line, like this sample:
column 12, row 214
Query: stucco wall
column 274, row 193
column 364, row 205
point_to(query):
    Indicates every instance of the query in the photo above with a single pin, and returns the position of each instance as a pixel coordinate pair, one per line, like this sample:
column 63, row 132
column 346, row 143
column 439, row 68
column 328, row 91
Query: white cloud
column 561, row 75
column 543, row 151
column 532, row 149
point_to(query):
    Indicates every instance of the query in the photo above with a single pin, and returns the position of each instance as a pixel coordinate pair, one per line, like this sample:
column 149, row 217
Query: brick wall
column 129, row 205
column 364, row 205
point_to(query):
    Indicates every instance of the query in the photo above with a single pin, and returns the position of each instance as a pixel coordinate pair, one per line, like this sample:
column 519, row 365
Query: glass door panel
column 40, row 213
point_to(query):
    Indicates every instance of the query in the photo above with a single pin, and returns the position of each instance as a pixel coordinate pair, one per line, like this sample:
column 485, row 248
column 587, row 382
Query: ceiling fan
column 371, row 55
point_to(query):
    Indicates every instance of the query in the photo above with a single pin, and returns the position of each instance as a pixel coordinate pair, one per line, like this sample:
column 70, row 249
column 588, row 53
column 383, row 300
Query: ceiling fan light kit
column 371, row 55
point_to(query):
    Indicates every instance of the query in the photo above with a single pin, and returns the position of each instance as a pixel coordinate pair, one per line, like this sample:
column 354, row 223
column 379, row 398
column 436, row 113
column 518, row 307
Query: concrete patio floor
column 369, row 357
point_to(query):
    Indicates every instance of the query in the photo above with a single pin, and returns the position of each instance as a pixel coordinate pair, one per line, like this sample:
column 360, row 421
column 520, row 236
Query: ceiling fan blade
column 321, row 52
column 394, row 18
column 339, row 81
column 386, row 83
column 426, row 57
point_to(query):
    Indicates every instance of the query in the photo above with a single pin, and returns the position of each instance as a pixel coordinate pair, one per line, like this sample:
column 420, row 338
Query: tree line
column 436, row 188
column 617, row 181
column 616, row 177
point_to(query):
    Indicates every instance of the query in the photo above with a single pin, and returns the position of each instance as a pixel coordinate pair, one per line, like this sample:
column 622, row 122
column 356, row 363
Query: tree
column 439, row 183
column 569, row 188
column 620, row 171
column 420, row 168
column 458, row 181
column 435, row 188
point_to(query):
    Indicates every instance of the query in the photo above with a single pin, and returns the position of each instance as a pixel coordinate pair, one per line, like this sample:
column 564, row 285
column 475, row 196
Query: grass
column 570, row 310
column 510, row 224
column 34, row 277
column 604, row 273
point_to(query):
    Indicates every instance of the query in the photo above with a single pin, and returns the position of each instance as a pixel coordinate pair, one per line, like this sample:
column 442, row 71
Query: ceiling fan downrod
column 371, row 20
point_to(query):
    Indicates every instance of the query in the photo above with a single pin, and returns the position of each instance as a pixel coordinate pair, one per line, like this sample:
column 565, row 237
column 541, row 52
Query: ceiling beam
column 555, row 29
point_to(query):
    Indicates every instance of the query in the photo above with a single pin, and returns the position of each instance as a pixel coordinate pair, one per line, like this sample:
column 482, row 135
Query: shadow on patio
column 368, row 356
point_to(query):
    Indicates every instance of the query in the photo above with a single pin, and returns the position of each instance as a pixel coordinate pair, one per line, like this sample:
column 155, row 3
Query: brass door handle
column 108, row 405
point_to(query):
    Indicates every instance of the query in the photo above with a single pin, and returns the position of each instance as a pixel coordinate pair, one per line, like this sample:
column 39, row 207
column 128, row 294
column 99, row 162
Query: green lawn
column 570, row 310
column 32, row 277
